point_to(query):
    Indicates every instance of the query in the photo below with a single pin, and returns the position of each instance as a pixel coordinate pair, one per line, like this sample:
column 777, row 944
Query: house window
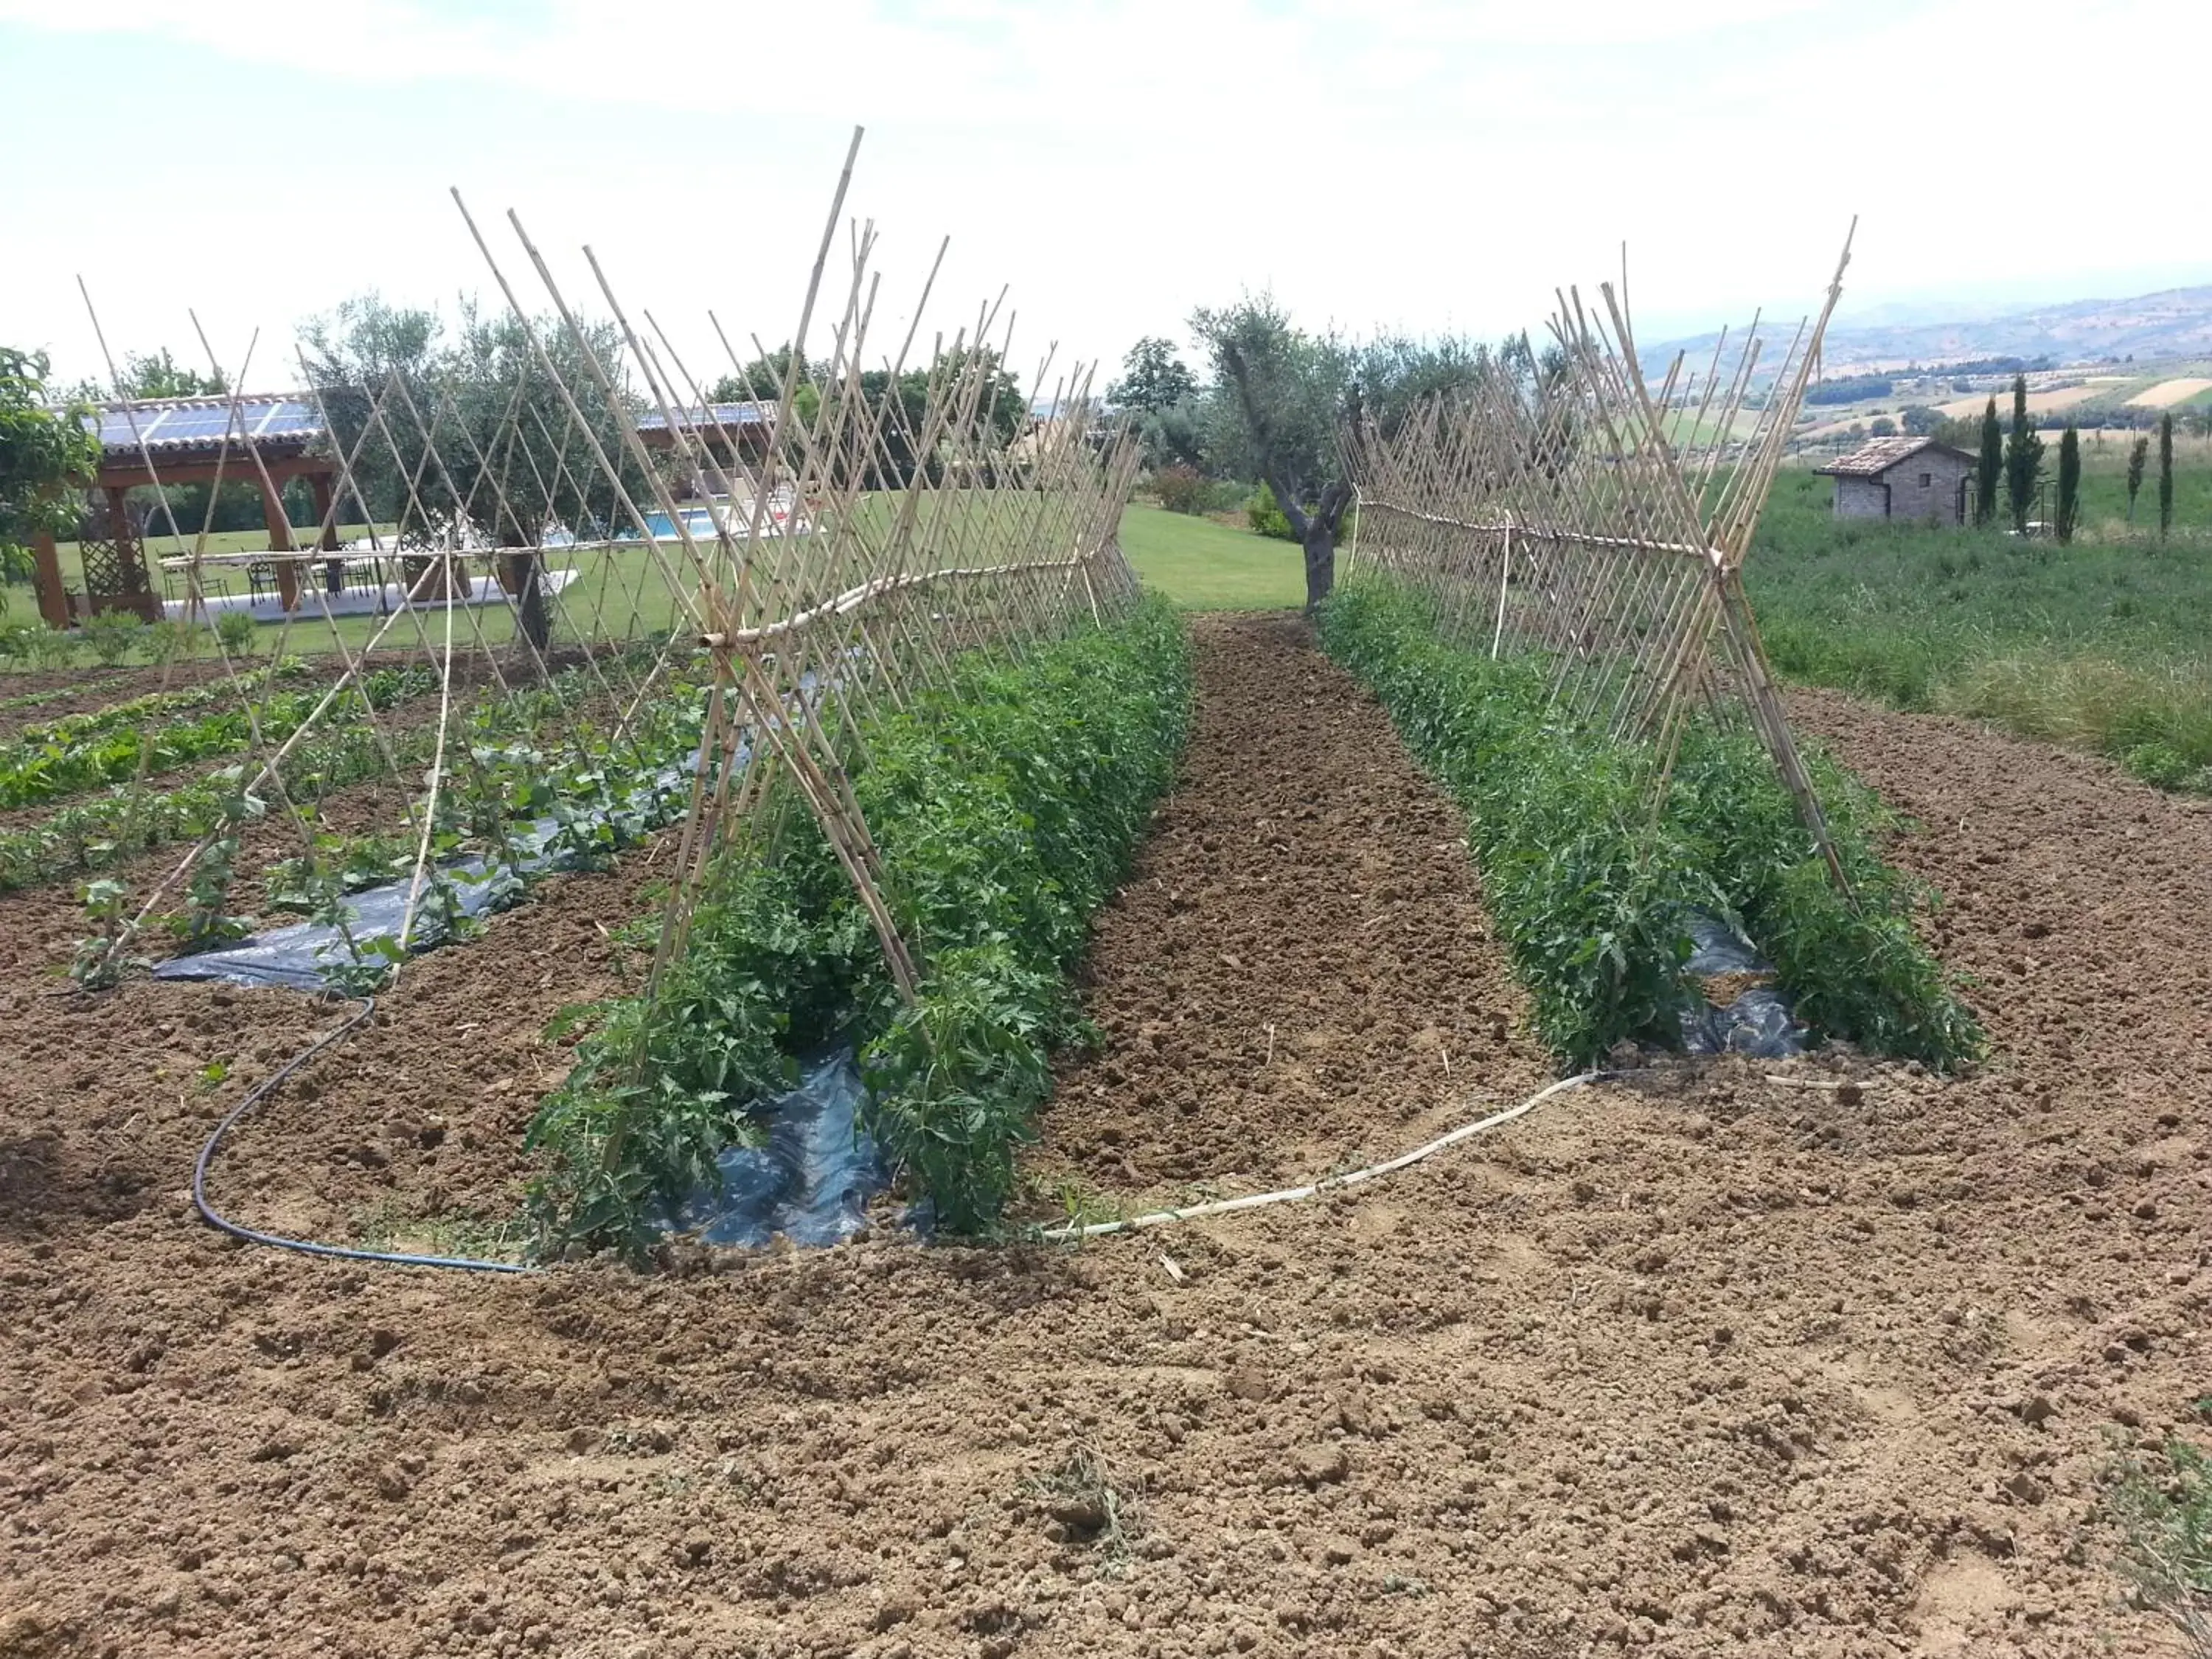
column 1927, row 478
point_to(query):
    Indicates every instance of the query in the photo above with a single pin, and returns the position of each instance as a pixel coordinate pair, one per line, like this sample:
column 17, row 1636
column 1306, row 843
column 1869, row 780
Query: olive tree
column 462, row 437
column 1280, row 395
column 41, row 451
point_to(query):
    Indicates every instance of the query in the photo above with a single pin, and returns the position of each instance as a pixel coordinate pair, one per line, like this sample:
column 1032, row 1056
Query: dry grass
column 2157, row 718
column 2167, row 393
column 2039, row 403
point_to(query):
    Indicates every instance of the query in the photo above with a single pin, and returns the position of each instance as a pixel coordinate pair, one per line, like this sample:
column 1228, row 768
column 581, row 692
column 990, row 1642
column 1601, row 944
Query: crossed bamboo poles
column 913, row 536
column 1569, row 508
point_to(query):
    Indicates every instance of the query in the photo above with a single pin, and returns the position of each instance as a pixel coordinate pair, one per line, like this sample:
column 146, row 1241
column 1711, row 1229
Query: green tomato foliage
column 1592, row 897
column 1005, row 809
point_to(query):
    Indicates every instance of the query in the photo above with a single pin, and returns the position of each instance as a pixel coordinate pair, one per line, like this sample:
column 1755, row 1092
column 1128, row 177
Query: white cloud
column 1424, row 165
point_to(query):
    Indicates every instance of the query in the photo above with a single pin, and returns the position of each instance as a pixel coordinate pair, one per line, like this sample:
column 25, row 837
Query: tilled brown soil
column 1693, row 1363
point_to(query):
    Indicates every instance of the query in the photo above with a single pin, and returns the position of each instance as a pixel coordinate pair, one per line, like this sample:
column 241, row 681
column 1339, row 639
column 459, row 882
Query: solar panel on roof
column 123, row 429
column 287, row 419
column 748, row 414
column 201, row 424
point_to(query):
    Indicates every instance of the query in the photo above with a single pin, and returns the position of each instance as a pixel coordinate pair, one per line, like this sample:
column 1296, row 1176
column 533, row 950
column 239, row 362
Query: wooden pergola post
column 333, row 570
column 280, row 541
column 133, row 585
column 53, row 598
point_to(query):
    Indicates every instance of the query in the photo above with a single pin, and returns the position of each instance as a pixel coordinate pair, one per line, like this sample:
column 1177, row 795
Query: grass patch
column 2166, row 1516
column 2104, row 645
column 1202, row 565
column 1005, row 808
column 1593, row 898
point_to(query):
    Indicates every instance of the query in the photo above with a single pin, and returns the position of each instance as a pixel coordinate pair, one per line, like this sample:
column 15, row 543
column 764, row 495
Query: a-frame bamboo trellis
column 1569, row 506
column 641, row 542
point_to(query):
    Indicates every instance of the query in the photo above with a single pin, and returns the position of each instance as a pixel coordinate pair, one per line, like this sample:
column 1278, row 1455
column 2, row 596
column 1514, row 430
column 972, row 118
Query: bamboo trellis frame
column 1582, row 514
column 876, row 542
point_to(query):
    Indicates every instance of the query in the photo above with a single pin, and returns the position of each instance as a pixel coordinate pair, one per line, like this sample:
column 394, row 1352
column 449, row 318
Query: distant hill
column 2175, row 323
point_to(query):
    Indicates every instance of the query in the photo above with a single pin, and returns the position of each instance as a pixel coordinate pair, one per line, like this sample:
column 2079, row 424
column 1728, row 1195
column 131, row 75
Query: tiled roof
column 1871, row 460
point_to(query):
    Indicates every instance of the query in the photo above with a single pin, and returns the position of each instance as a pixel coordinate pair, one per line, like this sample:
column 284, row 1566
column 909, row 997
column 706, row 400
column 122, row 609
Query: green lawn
column 1205, row 565
column 1196, row 562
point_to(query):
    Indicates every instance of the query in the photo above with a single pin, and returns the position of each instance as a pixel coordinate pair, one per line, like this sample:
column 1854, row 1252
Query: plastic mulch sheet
column 810, row 1179
column 1756, row 1020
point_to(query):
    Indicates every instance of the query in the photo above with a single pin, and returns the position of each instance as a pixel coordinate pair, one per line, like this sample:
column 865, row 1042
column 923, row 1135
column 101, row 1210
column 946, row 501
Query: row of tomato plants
column 1593, row 894
column 1005, row 809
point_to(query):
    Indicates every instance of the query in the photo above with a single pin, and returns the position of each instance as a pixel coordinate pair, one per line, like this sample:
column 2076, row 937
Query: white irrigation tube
column 1327, row 1183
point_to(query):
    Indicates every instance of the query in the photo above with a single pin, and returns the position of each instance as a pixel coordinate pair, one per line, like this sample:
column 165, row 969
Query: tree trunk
column 525, row 577
column 1320, row 561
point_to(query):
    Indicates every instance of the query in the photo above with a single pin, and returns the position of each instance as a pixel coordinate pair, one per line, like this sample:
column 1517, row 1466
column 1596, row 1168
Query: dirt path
column 1298, row 973
column 1703, row 1364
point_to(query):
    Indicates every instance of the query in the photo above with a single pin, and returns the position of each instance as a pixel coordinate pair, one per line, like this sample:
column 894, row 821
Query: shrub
column 112, row 636
column 1213, row 495
column 16, row 644
column 1181, row 489
column 237, row 630
column 53, row 647
column 171, row 640
column 1266, row 518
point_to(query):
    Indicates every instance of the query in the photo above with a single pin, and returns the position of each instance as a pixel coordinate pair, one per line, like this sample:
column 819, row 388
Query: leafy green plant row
column 207, row 694
column 95, row 833
column 592, row 795
column 587, row 797
column 1005, row 810
column 33, row 771
column 1593, row 898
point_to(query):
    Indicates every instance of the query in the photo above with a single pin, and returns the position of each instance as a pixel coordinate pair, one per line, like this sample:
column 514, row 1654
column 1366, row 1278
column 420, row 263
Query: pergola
column 713, row 437
column 265, row 440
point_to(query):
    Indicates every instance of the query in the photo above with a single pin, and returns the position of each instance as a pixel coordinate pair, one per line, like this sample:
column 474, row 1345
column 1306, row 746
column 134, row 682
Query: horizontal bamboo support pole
column 1550, row 532
column 854, row 599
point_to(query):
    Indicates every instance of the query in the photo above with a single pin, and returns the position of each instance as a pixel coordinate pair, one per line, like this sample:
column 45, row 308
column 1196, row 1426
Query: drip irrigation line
column 254, row 1096
column 1327, row 1183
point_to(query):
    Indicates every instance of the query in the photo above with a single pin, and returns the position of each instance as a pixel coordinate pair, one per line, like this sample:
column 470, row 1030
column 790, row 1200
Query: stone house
column 1915, row 478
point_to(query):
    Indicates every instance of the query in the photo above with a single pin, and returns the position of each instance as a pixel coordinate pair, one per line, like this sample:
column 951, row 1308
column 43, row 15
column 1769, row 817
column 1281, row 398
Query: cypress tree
column 2069, row 482
column 1991, row 463
column 2138, row 455
column 2165, row 474
column 2023, row 458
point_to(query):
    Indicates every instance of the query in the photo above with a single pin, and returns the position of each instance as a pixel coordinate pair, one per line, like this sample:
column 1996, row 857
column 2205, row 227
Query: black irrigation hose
column 254, row 1096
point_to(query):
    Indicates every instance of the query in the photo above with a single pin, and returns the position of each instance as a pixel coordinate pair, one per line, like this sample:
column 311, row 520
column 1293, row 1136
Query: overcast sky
column 1423, row 165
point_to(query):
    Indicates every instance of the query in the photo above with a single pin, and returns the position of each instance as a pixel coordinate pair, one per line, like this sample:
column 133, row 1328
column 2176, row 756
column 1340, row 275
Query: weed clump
column 1084, row 1504
column 2166, row 1518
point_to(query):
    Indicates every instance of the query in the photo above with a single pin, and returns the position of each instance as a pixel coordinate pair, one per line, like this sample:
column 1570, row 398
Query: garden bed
column 1598, row 898
column 1004, row 807
column 1696, row 1361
